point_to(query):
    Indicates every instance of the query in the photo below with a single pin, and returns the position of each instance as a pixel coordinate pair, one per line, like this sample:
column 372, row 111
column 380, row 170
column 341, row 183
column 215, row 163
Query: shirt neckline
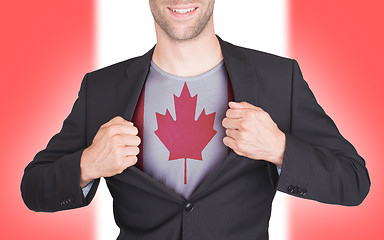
column 191, row 78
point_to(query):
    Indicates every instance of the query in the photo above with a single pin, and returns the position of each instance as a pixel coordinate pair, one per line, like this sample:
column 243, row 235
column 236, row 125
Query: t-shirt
column 179, row 121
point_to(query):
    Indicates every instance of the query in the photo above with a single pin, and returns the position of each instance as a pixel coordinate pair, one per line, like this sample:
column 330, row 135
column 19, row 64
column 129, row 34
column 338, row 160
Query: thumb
column 240, row 105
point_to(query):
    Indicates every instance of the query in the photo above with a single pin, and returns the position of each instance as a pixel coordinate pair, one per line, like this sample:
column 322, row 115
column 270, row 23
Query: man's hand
column 113, row 149
column 252, row 133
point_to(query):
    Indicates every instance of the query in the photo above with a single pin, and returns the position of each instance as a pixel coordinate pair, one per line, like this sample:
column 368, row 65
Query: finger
column 232, row 123
column 130, row 151
column 123, row 152
column 228, row 141
column 131, row 160
column 242, row 105
column 233, row 133
column 121, row 129
column 131, row 140
column 235, row 113
column 125, row 140
column 232, row 144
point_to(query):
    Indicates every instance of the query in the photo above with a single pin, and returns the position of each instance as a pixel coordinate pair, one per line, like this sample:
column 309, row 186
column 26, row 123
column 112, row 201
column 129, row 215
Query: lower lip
column 182, row 15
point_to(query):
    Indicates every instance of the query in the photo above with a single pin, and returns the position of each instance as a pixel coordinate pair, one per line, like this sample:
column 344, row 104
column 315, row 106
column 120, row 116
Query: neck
column 189, row 57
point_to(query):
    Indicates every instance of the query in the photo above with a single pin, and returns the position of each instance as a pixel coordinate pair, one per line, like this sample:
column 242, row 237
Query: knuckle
column 237, row 145
column 116, row 154
column 249, row 114
column 120, row 164
column 104, row 126
column 227, row 132
column 243, row 135
column 112, row 129
column 118, row 119
column 115, row 140
column 260, row 109
column 228, row 112
column 243, row 124
column 117, row 164
column 264, row 115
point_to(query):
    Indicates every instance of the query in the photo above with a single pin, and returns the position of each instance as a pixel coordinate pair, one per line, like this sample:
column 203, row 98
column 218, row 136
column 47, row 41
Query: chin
column 186, row 34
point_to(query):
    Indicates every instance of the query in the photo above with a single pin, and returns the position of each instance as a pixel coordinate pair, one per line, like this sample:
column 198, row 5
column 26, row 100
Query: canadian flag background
column 48, row 46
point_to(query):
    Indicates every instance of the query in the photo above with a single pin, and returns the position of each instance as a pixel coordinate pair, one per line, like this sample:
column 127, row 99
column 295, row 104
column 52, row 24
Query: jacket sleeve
column 51, row 182
column 319, row 163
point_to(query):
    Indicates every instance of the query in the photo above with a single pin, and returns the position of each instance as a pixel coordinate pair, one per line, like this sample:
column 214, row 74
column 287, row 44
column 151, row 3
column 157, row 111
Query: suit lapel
column 242, row 75
column 129, row 88
column 243, row 80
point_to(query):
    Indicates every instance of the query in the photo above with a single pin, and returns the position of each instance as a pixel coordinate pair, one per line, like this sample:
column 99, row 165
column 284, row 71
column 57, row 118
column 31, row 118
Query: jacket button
column 291, row 189
column 189, row 207
column 302, row 192
column 66, row 201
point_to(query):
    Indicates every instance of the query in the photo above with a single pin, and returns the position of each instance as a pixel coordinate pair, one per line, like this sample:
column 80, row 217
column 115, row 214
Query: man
column 159, row 127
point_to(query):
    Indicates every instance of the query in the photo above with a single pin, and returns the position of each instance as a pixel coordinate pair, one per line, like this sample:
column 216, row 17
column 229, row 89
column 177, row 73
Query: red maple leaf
column 184, row 137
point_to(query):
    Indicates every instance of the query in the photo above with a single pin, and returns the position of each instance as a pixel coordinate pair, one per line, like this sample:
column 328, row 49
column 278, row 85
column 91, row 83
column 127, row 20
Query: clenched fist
column 114, row 148
column 252, row 133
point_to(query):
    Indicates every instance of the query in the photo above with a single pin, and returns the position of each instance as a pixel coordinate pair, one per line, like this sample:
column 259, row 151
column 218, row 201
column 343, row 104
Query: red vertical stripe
column 339, row 45
column 138, row 121
column 46, row 48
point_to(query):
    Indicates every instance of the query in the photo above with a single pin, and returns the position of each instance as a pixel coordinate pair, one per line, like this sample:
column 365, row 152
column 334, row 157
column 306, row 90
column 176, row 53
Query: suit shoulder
column 112, row 72
column 115, row 72
column 260, row 57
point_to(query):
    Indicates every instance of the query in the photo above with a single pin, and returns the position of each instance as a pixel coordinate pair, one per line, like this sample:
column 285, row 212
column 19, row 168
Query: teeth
column 182, row 11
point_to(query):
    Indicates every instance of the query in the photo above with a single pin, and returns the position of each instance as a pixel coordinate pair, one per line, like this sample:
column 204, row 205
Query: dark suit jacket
column 234, row 202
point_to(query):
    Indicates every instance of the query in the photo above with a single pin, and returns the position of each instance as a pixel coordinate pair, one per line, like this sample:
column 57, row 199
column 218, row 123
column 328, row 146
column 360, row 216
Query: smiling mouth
column 183, row 11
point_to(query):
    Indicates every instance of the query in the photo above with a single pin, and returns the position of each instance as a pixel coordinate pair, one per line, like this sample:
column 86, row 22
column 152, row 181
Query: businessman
column 194, row 138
